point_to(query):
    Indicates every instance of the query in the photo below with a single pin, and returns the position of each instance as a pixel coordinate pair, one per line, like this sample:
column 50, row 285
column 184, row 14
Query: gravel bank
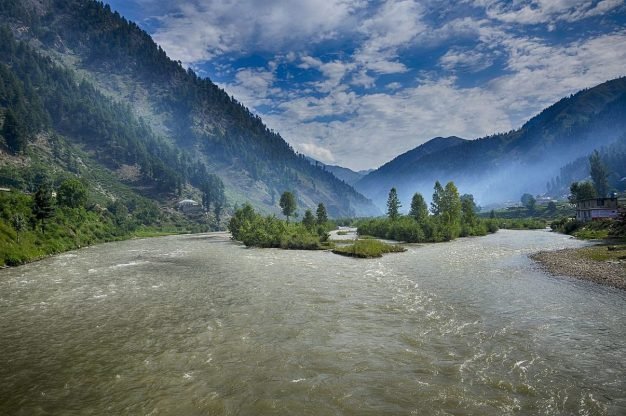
column 576, row 263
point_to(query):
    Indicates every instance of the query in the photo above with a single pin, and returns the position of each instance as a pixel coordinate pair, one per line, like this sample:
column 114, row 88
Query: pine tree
column 419, row 209
column 393, row 204
column 435, row 205
column 322, row 215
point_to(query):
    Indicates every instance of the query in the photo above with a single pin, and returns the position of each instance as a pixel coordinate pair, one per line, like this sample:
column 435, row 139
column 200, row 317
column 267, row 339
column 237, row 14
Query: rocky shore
column 589, row 263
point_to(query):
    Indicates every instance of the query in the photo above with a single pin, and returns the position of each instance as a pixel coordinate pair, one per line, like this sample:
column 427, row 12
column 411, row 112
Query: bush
column 368, row 249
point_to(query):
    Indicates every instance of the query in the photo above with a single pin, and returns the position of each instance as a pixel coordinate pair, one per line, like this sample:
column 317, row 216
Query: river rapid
column 199, row 325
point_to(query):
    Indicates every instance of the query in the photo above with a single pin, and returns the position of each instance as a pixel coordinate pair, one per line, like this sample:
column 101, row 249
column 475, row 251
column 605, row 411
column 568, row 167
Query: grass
column 605, row 253
column 368, row 249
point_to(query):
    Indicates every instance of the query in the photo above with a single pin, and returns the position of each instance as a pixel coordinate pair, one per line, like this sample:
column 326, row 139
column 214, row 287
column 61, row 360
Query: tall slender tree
column 599, row 174
column 435, row 205
column 322, row 215
column 393, row 204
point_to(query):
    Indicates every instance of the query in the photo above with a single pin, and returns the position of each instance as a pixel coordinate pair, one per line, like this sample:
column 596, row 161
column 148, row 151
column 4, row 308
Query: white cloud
column 546, row 11
column 473, row 60
column 196, row 30
column 317, row 152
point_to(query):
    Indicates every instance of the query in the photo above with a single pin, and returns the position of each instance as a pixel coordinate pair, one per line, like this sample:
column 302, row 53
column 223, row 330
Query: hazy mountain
column 347, row 175
column 183, row 127
column 385, row 177
column 503, row 166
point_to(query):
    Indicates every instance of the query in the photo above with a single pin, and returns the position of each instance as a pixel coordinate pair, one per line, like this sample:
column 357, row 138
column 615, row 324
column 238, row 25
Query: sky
column 356, row 83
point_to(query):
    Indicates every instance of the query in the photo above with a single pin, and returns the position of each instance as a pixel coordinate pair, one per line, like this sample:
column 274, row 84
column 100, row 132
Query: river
column 199, row 325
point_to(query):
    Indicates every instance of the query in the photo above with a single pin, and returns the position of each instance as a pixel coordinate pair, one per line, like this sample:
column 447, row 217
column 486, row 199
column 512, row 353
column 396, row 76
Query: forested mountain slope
column 503, row 166
column 107, row 86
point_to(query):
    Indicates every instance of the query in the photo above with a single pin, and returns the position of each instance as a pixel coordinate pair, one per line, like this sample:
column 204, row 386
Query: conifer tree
column 393, row 204
column 435, row 205
column 322, row 215
column 419, row 209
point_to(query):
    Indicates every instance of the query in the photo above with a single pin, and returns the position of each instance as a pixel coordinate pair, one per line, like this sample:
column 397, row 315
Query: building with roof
column 188, row 206
column 597, row 209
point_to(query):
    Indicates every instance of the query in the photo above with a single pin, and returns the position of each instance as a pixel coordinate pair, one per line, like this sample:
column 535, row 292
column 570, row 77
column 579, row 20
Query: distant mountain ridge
column 503, row 166
column 346, row 175
column 188, row 115
column 407, row 161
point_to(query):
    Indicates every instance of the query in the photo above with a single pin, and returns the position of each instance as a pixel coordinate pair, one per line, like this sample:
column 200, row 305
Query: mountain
column 504, row 166
column 343, row 174
column 101, row 86
column 385, row 177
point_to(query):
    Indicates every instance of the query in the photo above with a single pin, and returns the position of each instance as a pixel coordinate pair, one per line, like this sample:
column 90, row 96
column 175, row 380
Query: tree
column 322, row 215
column 579, row 191
column 217, row 210
column 551, row 208
column 450, row 204
column 308, row 220
column 19, row 224
column 435, row 207
column 72, row 193
column 468, row 209
column 492, row 214
column 393, row 204
column 43, row 205
column 529, row 202
column 419, row 209
column 288, row 204
column 14, row 133
column 599, row 174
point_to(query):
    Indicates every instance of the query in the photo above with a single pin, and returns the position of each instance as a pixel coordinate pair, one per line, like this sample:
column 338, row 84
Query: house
column 188, row 206
column 596, row 209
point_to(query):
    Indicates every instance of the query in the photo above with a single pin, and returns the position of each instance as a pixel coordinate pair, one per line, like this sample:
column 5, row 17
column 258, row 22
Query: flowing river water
column 199, row 325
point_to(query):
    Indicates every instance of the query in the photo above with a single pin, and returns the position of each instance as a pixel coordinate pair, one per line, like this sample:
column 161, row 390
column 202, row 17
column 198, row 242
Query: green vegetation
column 288, row 204
column 452, row 217
column 592, row 230
column 605, row 252
column 255, row 230
column 32, row 227
column 368, row 249
column 553, row 210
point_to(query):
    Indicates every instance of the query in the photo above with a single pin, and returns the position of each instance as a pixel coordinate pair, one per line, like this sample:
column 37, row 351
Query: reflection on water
column 200, row 325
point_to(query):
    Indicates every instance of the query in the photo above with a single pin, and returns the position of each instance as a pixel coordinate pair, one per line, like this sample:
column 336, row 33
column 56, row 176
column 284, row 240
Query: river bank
column 596, row 264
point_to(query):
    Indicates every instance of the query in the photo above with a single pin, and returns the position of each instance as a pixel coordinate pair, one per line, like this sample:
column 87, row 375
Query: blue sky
column 356, row 82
